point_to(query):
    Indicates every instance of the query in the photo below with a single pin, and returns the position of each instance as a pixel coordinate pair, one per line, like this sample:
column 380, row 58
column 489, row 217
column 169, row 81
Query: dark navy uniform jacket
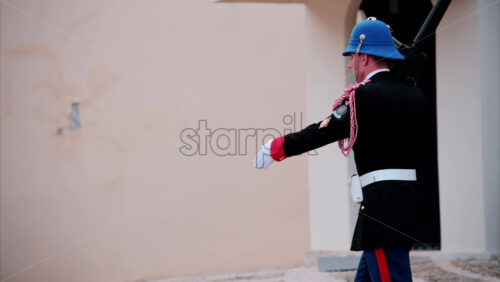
column 393, row 124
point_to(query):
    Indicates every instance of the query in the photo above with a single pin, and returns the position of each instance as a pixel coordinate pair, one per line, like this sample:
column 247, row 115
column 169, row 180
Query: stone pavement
column 438, row 268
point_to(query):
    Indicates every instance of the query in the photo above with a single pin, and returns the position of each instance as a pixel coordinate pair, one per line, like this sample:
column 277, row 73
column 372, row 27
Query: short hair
column 382, row 61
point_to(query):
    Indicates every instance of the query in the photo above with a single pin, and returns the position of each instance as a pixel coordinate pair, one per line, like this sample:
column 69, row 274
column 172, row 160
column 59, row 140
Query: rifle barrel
column 431, row 22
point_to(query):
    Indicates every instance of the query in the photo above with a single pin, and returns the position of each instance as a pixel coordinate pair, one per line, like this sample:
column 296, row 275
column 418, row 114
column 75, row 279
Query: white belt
column 388, row 174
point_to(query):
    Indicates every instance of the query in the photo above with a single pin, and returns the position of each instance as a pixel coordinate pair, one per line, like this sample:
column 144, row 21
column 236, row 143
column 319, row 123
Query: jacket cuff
column 277, row 152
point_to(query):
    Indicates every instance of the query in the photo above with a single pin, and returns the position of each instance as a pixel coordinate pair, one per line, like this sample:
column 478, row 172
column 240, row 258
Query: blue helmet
column 373, row 37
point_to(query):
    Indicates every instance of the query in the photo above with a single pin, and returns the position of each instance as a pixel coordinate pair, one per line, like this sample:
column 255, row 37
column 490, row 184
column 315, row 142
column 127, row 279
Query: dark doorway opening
column 406, row 18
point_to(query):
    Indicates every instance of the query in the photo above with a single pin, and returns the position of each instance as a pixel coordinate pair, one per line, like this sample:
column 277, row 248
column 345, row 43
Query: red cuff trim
column 277, row 152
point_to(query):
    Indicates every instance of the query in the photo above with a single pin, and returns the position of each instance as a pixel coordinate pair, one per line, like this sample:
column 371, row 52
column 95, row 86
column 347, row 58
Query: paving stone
column 423, row 269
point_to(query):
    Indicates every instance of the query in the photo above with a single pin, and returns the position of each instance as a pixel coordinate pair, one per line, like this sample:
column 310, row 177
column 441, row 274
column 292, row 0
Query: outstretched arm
column 333, row 128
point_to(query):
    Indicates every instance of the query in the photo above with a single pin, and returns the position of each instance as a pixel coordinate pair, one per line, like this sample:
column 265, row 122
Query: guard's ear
column 373, row 60
column 364, row 59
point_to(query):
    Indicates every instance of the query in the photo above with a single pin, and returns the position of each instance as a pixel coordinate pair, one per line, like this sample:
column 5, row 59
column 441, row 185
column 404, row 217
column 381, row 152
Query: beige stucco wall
column 115, row 200
column 468, row 66
column 328, row 24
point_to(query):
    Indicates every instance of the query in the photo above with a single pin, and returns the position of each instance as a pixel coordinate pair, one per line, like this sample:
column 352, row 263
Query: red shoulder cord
column 349, row 93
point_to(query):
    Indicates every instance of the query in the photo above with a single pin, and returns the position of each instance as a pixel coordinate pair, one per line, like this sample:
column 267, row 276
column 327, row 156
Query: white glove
column 263, row 158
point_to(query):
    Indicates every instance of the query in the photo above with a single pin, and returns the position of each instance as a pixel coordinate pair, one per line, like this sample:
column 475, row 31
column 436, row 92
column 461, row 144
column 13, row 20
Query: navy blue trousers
column 384, row 264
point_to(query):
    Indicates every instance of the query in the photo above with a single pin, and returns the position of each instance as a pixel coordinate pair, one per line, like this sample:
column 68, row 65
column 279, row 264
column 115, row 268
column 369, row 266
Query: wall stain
column 37, row 50
column 62, row 93
column 53, row 118
column 60, row 90
column 113, row 182
column 99, row 80
column 98, row 139
column 55, row 111
column 41, row 10
column 73, row 25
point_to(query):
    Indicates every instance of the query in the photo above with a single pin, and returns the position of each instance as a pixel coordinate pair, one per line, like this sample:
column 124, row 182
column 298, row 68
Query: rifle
column 410, row 68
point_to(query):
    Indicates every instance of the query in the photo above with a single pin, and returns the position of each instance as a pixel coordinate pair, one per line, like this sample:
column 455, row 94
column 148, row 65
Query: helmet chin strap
column 356, row 69
column 356, row 56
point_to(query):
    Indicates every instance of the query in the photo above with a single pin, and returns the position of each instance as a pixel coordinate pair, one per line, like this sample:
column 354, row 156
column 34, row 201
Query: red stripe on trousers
column 382, row 265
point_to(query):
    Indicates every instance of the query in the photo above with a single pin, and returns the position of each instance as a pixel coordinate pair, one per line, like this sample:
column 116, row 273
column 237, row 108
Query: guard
column 385, row 122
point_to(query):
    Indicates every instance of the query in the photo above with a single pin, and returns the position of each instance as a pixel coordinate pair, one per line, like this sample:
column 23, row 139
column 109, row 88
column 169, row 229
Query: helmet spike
column 361, row 38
